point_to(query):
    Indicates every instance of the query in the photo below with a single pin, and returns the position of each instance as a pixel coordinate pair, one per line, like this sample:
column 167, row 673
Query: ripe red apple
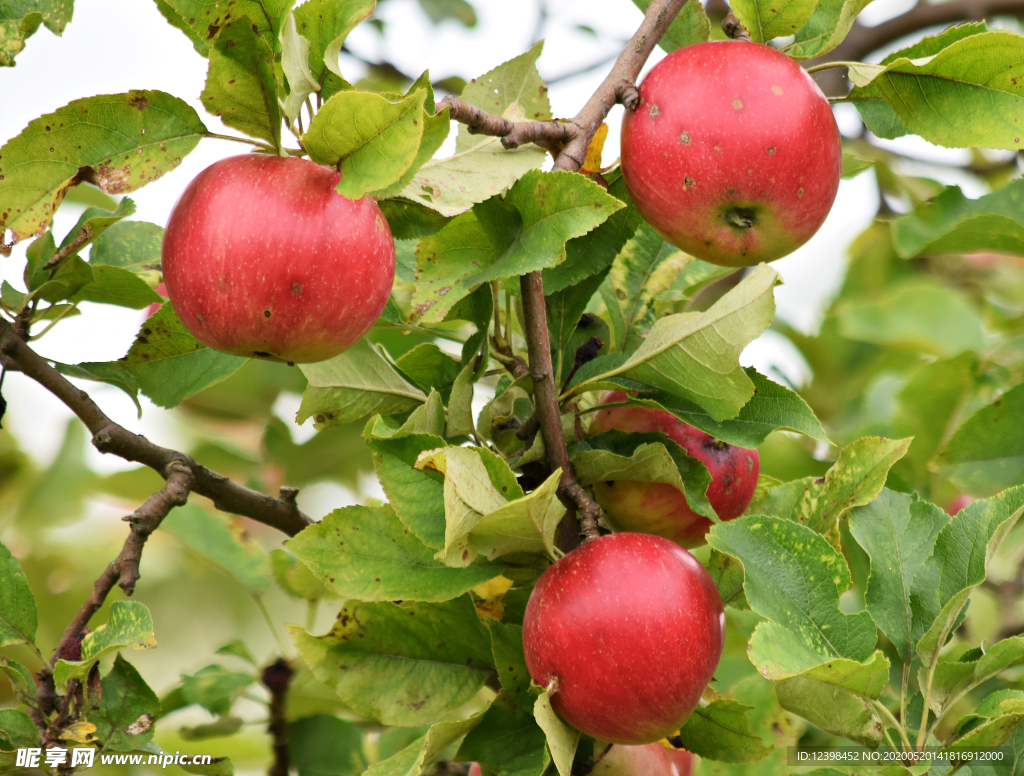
column 659, row 508
column 647, row 760
column 954, row 506
column 161, row 289
column 262, row 258
column 732, row 154
column 626, row 633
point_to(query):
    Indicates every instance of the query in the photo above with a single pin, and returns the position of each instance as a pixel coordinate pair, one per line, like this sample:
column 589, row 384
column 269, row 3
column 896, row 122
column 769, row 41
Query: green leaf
column 224, row 543
column 525, row 233
column 128, row 709
column 696, row 355
column 123, row 140
column 324, row 745
column 854, row 165
column 413, row 759
column 952, row 223
column 507, row 741
column 916, row 314
column 828, row 25
column 71, row 276
column 964, row 95
column 219, row 728
column 326, row 24
column 117, row 286
column 416, row 497
column 485, row 510
column 590, row 254
column 18, row 614
column 460, row 408
column 402, row 664
column 953, row 678
column 295, row 61
column 295, row 578
column 689, row 27
column 111, row 373
column 836, row 697
column 507, row 648
column 241, row 86
column 645, row 268
column 616, row 455
column 22, row 681
column 771, row 408
column 129, row 625
column 513, row 90
column 962, row 550
column 427, row 419
column 17, row 727
column 166, row 362
column 237, row 648
column 986, row 454
column 429, row 367
column 562, row 738
column 214, row 688
column 554, row 207
column 353, row 385
column 95, row 221
column 367, row 554
column 720, row 731
column 370, row 140
column 793, row 577
column 19, row 20
column 767, row 19
column 440, row 10
column 992, row 733
column 205, row 18
column 898, row 532
column 132, row 245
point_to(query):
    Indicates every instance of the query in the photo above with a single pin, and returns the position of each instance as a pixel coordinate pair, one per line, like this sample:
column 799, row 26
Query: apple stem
column 734, row 28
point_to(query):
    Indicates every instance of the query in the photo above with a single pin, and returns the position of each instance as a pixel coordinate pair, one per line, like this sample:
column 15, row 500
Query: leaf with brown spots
column 240, row 85
column 19, row 20
column 118, row 142
column 202, row 20
column 405, row 664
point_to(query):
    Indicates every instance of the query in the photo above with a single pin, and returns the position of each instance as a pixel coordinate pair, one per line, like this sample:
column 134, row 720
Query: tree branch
column 276, row 677
column 124, row 569
column 83, row 236
column 109, row 437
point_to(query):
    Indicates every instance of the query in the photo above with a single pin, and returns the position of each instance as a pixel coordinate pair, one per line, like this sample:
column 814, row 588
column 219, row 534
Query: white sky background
column 112, row 46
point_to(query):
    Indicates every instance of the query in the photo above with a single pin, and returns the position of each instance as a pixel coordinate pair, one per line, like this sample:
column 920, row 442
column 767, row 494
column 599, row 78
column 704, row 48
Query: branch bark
column 568, row 141
column 109, row 437
column 276, row 677
column 124, row 569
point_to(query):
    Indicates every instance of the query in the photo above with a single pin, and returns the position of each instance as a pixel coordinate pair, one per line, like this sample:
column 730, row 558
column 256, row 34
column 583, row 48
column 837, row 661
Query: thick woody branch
column 124, row 569
column 109, row 437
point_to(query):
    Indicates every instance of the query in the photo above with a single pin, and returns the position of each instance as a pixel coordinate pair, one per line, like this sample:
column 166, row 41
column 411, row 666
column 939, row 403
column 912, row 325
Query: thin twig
column 109, row 437
column 276, row 678
column 124, row 569
column 84, row 235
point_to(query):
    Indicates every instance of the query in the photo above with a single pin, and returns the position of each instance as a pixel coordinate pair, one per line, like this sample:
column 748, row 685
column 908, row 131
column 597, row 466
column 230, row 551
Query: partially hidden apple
column 732, row 154
column 647, row 760
column 954, row 506
column 660, row 508
column 625, row 633
column 263, row 258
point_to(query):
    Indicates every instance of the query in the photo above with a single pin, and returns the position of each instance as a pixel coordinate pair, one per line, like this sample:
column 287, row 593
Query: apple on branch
column 625, row 633
column 659, row 508
column 263, row 258
column 646, row 760
column 732, row 153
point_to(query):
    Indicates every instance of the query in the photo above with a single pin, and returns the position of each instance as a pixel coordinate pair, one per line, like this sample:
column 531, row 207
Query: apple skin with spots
column 732, row 154
column 659, row 508
column 263, row 258
column 626, row 632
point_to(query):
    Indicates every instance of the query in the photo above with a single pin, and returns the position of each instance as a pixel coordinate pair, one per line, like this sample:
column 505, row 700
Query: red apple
column 648, row 760
column 474, row 770
column 262, row 258
column 659, row 508
column 161, row 289
column 958, row 503
column 626, row 633
column 732, row 154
